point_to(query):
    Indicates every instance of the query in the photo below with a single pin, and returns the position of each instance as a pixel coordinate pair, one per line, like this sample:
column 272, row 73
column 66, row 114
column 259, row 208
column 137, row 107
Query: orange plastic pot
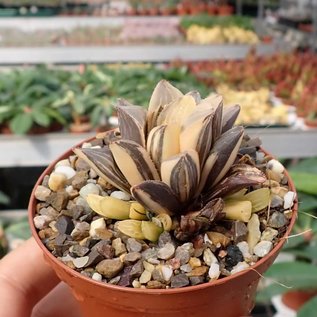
column 231, row 296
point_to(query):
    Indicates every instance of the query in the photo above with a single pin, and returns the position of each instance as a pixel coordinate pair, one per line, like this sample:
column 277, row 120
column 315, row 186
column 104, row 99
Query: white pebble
column 81, row 262
column 67, row 258
column 145, row 277
column 120, row 195
column 97, row 277
column 97, row 224
column 263, row 248
column 275, row 166
column 62, row 163
column 68, row 171
column 209, row 257
column 214, row 271
column 42, row 221
column 56, row 181
column 166, row 252
column 86, row 145
column 289, row 199
column 245, row 250
column 148, row 266
column 136, row 284
column 239, row 267
column 113, row 121
column 89, row 189
column 269, row 234
column 186, row 268
column 153, row 261
column 167, row 272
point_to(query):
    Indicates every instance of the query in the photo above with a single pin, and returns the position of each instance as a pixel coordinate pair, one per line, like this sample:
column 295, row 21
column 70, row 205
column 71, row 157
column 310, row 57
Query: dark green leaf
column 305, row 182
column 41, row 118
column 21, row 123
column 309, row 309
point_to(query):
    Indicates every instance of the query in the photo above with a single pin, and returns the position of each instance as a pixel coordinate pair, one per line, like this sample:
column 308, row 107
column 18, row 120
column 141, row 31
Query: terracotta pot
column 225, row 10
column 231, row 296
column 296, row 299
column 212, row 9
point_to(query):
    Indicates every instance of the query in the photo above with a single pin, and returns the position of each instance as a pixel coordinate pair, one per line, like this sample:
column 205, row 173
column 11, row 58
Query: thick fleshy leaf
column 182, row 173
column 163, row 142
column 102, row 162
column 177, row 111
column 163, row 94
column 229, row 116
column 133, row 161
column 157, row 197
column 132, row 121
column 226, row 147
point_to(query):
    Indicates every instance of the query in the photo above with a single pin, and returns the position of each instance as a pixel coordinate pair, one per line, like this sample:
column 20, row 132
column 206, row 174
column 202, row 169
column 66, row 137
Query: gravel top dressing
column 176, row 196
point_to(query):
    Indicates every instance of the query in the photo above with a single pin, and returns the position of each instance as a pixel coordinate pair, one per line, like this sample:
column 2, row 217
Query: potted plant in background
column 301, row 272
column 147, row 222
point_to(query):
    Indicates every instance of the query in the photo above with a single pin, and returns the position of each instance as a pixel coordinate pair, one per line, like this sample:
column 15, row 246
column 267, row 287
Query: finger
column 59, row 302
column 24, row 278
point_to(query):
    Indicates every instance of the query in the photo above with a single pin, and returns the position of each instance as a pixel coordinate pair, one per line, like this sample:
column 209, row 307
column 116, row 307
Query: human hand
column 30, row 288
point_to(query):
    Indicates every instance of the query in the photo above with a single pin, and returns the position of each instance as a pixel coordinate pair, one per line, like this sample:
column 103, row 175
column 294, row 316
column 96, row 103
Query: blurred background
column 63, row 63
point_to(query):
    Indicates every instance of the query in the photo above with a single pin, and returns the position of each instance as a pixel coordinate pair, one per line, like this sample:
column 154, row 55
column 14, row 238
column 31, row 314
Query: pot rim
column 130, row 290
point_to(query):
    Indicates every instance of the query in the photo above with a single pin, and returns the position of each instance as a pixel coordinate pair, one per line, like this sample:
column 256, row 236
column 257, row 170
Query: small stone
column 254, row 233
column 60, row 239
column 289, row 199
column 103, row 233
column 166, row 252
column 105, row 249
column 149, row 253
column 77, row 211
column 64, row 225
column 115, row 280
column 148, row 266
column 80, row 231
column 276, row 201
column 97, row 224
column 133, row 245
column 57, row 181
column 164, row 238
column 89, row 189
column 214, row 271
column 198, row 252
column 269, row 234
column 79, row 180
column 245, row 250
column 72, row 193
column 104, row 184
column 218, row 239
column 157, row 275
column 50, row 212
column 46, row 233
column 198, row 271
column 234, row 256
column 41, row 222
column 194, row 262
column 155, row 285
column 186, row 268
column 209, row 257
column 240, row 231
column 42, row 193
column 136, row 284
column 80, row 262
column 167, row 272
column 125, row 277
column 182, row 254
column 92, row 173
column 222, row 254
column 94, row 258
column 83, row 203
column 137, row 269
column 58, row 200
column 180, row 280
column 81, row 165
column 153, row 261
column 132, row 257
column 277, row 220
column 45, row 180
column 120, row 195
column 109, row 268
column 62, row 163
column 196, row 280
column 145, row 277
column 68, row 171
column 239, row 267
column 174, row 263
column 263, row 248
column 78, row 250
column 97, row 277
column 119, row 246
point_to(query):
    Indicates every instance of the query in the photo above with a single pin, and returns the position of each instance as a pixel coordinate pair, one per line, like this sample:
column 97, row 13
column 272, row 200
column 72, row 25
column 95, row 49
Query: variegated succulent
column 178, row 160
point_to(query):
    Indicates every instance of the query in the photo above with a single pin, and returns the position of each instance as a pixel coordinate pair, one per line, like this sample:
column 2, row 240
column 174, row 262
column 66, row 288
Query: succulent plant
column 178, row 160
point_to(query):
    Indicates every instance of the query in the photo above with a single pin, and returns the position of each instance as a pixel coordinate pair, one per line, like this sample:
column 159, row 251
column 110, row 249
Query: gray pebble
column 132, row 257
column 180, row 280
column 42, row 193
column 166, row 252
column 80, row 231
column 183, row 254
column 133, row 245
column 277, row 220
column 64, row 225
column 137, row 269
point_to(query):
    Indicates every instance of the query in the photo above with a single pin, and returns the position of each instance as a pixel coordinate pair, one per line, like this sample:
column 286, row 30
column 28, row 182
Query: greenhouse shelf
column 26, row 151
column 131, row 53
